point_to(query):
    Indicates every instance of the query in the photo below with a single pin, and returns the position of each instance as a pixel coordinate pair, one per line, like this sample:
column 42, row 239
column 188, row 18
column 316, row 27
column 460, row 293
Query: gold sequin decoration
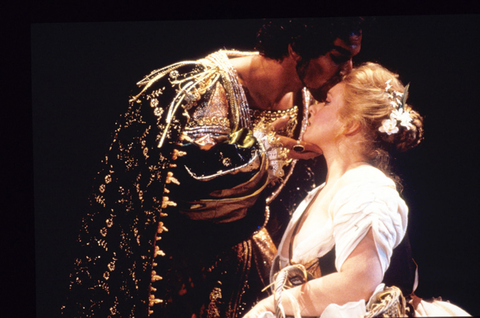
column 269, row 116
column 171, row 179
column 215, row 296
column 178, row 153
column 155, row 93
column 161, row 228
column 113, row 310
column 100, row 200
column 154, row 301
column 154, row 102
column 227, row 162
column 103, row 244
column 166, row 202
column 174, row 74
column 210, row 121
column 158, row 251
column 155, row 278
column 158, row 111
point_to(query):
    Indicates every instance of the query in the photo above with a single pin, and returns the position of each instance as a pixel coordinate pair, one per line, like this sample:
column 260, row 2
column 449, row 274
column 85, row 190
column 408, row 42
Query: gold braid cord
column 388, row 302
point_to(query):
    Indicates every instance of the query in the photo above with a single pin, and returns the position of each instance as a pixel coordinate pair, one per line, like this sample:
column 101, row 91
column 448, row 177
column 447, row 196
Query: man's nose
column 349, row 64
column 347, row 67
column 312, row 108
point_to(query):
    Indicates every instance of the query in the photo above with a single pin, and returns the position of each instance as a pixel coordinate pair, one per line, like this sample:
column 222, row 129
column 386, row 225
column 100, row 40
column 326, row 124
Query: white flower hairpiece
column 398, row 114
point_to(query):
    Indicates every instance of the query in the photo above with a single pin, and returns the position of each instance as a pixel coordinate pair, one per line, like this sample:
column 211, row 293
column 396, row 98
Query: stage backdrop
column 83, row 73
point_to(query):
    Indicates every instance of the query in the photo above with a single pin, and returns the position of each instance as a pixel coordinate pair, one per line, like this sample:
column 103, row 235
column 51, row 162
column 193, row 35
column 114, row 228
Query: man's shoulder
column 171, row 71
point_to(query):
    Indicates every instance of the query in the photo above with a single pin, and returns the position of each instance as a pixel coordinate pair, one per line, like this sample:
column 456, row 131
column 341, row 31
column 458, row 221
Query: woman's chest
column 314, row 221
column 314, row 228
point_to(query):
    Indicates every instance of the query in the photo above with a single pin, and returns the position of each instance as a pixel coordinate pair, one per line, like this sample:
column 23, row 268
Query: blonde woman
column 357, row 213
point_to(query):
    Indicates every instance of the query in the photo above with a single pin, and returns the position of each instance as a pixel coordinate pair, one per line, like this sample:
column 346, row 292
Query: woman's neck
column 343, row 154
column 339, row 163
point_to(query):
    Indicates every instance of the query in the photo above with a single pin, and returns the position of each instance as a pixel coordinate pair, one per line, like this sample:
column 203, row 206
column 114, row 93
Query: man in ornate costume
column 179, row 221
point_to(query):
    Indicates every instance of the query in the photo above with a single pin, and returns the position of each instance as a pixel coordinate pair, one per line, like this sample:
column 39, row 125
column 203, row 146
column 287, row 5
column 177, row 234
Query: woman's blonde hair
column 368, row 103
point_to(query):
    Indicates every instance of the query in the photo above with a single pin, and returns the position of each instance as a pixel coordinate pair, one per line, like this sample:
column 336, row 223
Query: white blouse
column 367, row 200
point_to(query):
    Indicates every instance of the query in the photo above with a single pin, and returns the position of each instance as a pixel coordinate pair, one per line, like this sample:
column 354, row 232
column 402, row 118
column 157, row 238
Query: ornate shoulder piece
column 238, row 101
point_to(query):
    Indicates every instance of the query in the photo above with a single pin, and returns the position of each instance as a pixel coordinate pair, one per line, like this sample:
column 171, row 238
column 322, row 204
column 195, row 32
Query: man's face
column 322, row 73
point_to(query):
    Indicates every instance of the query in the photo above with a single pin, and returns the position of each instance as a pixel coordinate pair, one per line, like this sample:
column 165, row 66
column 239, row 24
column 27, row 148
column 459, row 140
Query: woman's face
column 324, row 124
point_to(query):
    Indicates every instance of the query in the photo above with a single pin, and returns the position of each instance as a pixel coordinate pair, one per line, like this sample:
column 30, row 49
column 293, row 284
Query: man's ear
column 352, row 128
column 291, row 52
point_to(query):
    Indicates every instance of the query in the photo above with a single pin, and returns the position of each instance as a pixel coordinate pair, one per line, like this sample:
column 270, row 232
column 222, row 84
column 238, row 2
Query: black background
column 83, row 69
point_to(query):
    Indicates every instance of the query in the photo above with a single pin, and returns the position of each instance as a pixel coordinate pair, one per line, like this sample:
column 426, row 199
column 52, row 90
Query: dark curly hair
column 309, row 37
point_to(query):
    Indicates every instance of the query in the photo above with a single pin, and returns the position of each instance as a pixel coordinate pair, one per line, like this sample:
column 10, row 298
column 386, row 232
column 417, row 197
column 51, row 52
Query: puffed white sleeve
column 360, row 206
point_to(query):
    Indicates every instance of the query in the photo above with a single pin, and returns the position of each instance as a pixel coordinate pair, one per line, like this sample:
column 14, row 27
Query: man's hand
column 310, row 150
